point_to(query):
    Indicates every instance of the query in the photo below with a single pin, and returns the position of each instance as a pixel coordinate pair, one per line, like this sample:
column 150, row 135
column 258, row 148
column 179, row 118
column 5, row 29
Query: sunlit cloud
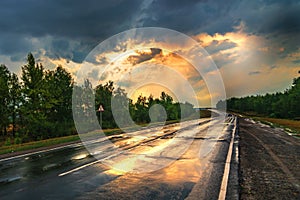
column 131, row 62
column 144, row 56
column 252, row 64
column 249, row 63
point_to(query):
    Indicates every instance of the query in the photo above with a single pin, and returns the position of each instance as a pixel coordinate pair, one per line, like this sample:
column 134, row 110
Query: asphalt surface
column 156, row 164
column 269, row 162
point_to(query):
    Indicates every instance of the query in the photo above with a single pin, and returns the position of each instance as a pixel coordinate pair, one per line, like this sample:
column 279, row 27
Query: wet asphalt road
column 197, row 173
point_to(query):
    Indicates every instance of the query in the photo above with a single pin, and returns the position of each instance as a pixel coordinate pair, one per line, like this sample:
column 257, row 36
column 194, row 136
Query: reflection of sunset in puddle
column 135, row 139
column 152, row 150
column 161, row 159
column 182, row 170
column 160, row 167
column 123, row 166
column 142, row 159
column 187, row 168
column 179, row 171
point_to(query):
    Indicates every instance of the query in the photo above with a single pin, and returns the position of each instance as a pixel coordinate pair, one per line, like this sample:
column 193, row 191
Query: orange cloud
column 144, row 56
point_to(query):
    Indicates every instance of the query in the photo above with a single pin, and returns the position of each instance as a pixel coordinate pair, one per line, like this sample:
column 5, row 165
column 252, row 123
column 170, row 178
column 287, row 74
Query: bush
column 18, row 140
column 7, row 142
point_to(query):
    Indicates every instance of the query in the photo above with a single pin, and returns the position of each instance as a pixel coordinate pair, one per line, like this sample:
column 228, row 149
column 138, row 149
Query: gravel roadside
column 269, row 162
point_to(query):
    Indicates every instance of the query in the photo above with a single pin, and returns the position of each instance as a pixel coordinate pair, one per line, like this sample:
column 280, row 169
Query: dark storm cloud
column 278, row 21
column 264, row 17
column 68, row 49
column 190, row 16
column 79, row 19
column 11, row 43
column 89, row 22
column 76, row 27
column 144, row 56
column 59, row 48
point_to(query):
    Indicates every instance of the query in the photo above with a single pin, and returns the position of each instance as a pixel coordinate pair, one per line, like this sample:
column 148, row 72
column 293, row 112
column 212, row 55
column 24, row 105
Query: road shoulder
column 269, row 162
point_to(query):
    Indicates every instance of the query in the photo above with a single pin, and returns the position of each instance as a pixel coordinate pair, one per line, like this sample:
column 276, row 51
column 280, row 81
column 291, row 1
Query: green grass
column 49, row 142
column 38, row 144
column 291, row 126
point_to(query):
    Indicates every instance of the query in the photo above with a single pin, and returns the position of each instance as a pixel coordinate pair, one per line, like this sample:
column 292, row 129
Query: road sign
column 101, row 109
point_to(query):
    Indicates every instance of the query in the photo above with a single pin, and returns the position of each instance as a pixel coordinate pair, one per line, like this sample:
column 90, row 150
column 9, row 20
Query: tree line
column 116, row 104
column 39, row 105
column 278, row 105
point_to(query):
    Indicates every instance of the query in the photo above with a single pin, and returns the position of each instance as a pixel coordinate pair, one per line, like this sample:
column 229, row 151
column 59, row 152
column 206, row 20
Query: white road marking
column 79, row 168
column 87, row 165
column 223, row 189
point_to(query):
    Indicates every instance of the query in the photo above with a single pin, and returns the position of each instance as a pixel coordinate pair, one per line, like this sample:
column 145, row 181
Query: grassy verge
column 37, row 144
column 73, row 138
column 47, row 142
column 291, row 126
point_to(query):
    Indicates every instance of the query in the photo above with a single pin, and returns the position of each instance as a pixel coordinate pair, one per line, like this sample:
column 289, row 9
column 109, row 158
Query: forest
column 39, row 105
column 278, row 105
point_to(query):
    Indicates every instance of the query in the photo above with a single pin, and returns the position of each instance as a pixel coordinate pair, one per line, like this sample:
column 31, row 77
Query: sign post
column 101, row 110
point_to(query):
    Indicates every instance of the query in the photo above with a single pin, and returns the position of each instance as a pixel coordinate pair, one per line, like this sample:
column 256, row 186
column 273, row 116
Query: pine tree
column 33, row 90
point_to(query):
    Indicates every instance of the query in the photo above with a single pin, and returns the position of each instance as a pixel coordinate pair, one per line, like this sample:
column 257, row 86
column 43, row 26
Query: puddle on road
column 181, row 171
column 80, row 156
column 148, row 158
column 170, row 169
column 130, row 140
column 186, row 168
column 124, row 166
column 174, row 181
column 165, row 159
column 135, row 187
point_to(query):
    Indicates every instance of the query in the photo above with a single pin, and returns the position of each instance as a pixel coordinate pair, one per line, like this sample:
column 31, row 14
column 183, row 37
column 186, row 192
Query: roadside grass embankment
column 290, row 126
column 5, row 149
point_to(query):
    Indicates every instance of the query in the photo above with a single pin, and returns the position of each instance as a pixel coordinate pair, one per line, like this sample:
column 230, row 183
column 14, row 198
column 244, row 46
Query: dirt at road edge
column 269, row 162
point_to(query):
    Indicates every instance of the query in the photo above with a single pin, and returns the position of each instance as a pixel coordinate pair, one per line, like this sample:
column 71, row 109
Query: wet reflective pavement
column 43, row 176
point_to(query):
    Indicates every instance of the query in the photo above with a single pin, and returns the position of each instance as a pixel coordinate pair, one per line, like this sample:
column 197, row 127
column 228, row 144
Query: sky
column 255, row 45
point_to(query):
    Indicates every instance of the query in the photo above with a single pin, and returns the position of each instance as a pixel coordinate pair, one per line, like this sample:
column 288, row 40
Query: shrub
column 18, row 140
column 7, row 142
